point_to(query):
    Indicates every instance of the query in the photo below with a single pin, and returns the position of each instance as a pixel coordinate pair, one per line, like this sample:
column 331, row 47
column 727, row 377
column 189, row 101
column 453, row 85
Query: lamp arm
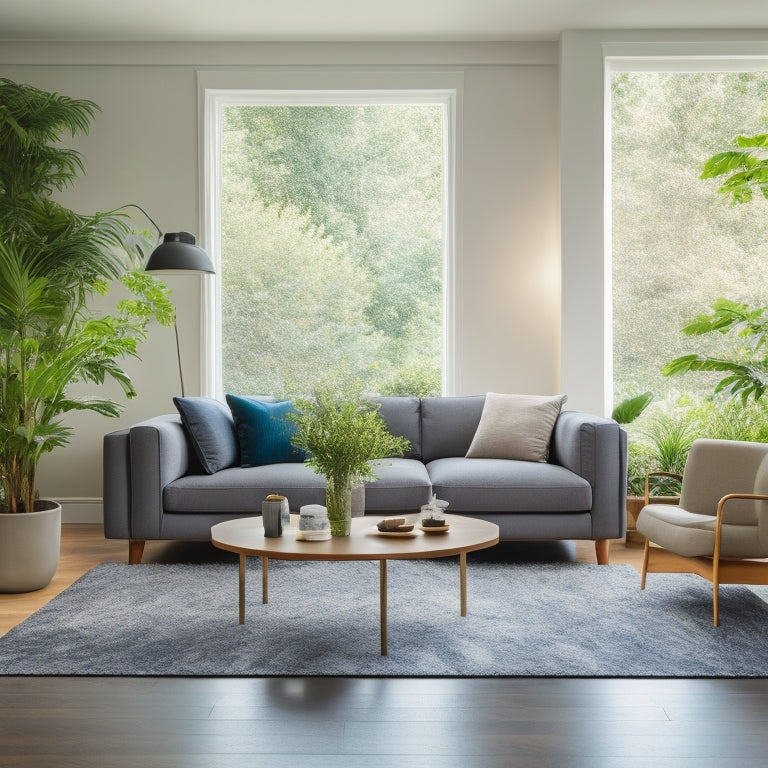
column 178, row 357
column 139, row 208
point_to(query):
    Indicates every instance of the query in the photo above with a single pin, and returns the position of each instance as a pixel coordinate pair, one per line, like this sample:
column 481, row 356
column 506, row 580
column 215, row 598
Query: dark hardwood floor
column 374, row 723
column 378, row 723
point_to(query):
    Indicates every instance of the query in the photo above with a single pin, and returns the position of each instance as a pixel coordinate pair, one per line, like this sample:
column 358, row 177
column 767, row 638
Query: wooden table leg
column 463, row 582
column 383, row 604
column 264, row 579
column 241, row 595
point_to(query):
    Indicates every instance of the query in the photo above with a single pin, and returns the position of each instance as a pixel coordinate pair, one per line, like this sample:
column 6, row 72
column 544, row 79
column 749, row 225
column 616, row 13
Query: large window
column 331, row 213
column 677, row 245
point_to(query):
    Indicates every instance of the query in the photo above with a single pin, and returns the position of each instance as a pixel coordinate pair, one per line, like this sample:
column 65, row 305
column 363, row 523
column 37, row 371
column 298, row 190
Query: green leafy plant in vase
column 343, row 434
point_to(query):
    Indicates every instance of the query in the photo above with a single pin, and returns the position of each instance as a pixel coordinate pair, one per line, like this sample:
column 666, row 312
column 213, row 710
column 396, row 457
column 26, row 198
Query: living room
column 529, row 194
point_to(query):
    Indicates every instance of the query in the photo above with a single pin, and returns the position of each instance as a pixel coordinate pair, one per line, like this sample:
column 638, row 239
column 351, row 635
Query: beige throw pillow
column 515, row 427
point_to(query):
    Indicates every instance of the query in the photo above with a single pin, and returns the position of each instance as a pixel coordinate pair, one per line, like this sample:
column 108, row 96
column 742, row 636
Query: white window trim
column 219, row 89
column 586, row 344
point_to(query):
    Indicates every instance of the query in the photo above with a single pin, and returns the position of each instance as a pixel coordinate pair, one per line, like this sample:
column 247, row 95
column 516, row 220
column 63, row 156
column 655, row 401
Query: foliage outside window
column 332, row 247
column 677, row 245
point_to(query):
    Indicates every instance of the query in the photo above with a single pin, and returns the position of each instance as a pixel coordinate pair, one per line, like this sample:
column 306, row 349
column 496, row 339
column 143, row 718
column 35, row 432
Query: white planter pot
column 29, row 548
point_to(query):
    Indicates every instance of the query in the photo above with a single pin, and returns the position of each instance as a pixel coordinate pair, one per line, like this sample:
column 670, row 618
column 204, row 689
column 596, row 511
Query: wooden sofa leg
column 135, row 551
column 602, row 550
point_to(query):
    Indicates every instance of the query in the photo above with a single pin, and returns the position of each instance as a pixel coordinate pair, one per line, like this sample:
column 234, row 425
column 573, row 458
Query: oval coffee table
column 245, row 536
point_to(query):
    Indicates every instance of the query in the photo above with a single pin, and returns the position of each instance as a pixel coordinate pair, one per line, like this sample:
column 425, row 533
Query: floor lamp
column 178, row 254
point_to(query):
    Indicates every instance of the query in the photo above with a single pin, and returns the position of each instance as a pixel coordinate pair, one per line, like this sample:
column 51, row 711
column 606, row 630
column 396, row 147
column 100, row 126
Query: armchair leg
column 716, row 604
column 135, row 551
column 602, row 551
column 646, row 557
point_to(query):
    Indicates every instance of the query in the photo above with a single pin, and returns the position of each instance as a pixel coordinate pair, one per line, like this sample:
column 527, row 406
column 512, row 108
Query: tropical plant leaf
column 744, row 379
column 628, row 410
column 746, row 168
column 727, row 315
column 96, row 404
column 724, row 162
column 761, row 140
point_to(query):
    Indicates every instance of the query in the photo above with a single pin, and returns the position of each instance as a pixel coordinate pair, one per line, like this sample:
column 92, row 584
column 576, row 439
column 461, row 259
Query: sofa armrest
column 116, row 468
column 159, row 454
column 595, row 448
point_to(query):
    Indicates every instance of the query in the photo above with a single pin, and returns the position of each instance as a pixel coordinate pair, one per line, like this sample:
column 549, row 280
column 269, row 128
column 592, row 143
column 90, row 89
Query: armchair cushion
column 693, row 535
column 718, row 467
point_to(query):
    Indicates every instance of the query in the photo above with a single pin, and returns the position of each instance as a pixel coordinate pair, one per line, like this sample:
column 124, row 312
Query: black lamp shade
column 178, row 253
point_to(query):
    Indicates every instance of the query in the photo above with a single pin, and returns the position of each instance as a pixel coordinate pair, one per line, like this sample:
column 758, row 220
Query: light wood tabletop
column 245, row 537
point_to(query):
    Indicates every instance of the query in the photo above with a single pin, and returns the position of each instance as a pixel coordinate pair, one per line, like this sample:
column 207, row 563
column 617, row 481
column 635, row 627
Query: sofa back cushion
column 448, row 425
column 403, row 418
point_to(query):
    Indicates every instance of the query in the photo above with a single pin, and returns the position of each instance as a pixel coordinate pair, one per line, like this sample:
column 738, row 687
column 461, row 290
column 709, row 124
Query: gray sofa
column 154, row 487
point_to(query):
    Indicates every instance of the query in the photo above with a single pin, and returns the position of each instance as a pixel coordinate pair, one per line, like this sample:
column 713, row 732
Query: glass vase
column 338, row 500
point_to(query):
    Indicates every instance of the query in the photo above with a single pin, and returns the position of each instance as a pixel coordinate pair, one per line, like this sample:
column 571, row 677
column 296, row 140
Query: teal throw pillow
column 263, row 431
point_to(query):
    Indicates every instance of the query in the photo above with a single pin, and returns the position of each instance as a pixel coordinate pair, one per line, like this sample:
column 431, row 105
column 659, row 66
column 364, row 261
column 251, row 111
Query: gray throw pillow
column 211, row 430
column 515, row 427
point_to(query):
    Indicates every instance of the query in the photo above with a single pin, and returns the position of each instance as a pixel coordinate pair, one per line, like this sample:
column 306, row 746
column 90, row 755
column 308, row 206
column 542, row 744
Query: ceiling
column 360, row 20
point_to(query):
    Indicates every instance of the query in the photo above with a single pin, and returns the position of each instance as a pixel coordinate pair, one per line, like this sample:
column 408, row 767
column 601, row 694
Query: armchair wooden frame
column 717, row 569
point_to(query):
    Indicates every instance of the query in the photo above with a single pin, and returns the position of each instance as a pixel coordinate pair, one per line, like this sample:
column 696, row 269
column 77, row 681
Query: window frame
column 619, row 64
column 586, row 343
column 219, row 90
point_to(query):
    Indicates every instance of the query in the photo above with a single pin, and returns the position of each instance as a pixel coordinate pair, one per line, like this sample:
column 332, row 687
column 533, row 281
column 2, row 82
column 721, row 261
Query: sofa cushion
column 241, row 490
column 515, row 427
column 503, row 485
column 403, row 418
column 448, row 425
column 263, row 431
column 211, row 431
column 401, row 484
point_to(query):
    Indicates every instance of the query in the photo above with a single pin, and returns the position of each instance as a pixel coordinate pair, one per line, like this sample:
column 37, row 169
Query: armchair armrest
column 720, row 516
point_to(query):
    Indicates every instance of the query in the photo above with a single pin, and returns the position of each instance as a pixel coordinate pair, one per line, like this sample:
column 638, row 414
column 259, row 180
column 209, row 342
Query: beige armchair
column 719, row 530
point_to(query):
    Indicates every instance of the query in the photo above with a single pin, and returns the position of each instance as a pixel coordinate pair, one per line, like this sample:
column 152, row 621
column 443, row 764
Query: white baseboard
column 81, row 510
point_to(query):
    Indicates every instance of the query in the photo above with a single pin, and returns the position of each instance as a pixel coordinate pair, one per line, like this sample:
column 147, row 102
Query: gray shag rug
column 524, row 619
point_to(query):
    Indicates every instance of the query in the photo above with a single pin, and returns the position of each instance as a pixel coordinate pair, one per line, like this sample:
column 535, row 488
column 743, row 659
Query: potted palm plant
column 343, row 433
column 53, row 261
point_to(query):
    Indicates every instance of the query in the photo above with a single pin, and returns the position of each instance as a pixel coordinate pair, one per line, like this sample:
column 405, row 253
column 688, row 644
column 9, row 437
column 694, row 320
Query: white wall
column 143, row 148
